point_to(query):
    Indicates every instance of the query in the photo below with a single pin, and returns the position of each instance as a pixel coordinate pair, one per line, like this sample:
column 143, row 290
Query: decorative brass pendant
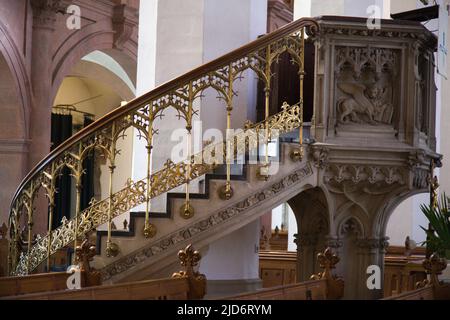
column 112, row 249
column 263, row 172
column 186, row 211
column 149, row 230
column 225, row 192
column 296, row 155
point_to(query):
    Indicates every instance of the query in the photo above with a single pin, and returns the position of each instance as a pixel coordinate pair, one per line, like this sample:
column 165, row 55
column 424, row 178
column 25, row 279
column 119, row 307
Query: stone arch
column 98, row 36
column 68, row 62
column 13, row 59
column 351, row 216
column 98, row 73
column 351, row 231
column 312, row 214
column 15, row 107
column 351, row 224
column 383, row 215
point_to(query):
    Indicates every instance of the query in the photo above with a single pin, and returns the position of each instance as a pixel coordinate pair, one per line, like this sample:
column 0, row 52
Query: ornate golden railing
column 140, row 114
column 171, row 176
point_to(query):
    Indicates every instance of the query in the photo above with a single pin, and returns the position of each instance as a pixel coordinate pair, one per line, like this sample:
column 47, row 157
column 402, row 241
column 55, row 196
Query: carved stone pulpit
column 374, row 130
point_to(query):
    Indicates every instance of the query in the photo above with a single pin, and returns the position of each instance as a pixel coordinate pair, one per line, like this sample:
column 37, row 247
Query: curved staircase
column 221, row 209
column 214, row 218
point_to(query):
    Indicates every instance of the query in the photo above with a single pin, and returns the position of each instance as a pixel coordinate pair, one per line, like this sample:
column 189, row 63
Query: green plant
column 438, row 240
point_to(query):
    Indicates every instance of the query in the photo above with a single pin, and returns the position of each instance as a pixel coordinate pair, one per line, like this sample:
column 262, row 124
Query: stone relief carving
column 333, row 242
column 420, row 35
column 319, row 156
column 364, row 85
column 123, row 25
column 416, row 159
column 310, row 236
column 351, row 226
column 362, row 173
column 373, row 243
column 305, row 240
column 365, row 104
column 421, row 178
column 44, row 12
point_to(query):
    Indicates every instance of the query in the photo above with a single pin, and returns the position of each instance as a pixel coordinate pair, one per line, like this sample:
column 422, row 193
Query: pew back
column 161, row 289
column 11, row 286
column 309, row 290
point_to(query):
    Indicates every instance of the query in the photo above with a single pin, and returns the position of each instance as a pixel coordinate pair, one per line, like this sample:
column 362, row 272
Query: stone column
column 305, row 256
column 370, row 253
column 44, row 17
column 176, row 36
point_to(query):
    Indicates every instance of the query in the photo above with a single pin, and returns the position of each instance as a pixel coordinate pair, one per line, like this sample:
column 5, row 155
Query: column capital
column 44, row 13
column 333, row 242
column 305, row 240
column 125, row 21
column 373, row 243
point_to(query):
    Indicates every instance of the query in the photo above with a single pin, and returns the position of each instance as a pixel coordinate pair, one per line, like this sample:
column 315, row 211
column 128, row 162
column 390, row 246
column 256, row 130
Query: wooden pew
column 308, row 290
column 4, row 250
column 13, row 286
column 161, row 289
column 322, row 286
column 428, row 289
column 186, row 284
column 53, row 281
column 277, row 268
column 402, row 269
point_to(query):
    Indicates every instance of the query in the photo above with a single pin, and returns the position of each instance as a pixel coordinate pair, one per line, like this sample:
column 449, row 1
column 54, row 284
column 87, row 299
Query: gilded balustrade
column 140, row 115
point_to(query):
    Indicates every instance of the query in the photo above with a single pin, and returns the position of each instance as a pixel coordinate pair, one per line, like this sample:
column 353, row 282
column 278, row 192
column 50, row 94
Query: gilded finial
column 187, row 211
column 189, row 258
column 149, row 230
column 433, row 266
column 327, row 261
column 85, row 253
column 112, row 249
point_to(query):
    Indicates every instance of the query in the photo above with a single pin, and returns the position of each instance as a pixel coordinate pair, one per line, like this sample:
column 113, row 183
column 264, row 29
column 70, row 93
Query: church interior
column 224, row 150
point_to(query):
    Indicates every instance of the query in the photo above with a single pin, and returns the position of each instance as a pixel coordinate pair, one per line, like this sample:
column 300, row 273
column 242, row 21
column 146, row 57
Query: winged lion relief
column 364, row 104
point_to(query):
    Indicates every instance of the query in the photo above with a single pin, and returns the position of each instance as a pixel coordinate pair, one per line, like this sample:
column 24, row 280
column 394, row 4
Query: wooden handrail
column 164, row 88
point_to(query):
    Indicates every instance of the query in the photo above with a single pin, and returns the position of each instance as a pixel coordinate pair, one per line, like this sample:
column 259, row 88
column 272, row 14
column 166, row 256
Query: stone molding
column 373, row 243
column 333, row 242
column 305, row 240
column 13, row 146
column 319, row 155
column 44, row 13
column 416, row 33
column 124, row 23
column 365, row 173
column 279, row 13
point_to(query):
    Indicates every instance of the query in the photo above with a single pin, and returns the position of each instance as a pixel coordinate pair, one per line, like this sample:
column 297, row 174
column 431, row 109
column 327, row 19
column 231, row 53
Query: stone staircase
column 214, row 218
column 373, row 144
